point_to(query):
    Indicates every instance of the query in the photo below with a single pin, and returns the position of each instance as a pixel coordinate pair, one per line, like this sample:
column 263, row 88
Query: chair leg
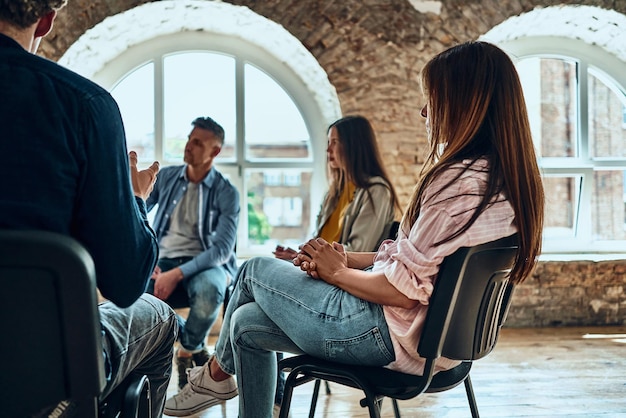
column 327, row 387
column 316, row 391
column 394, row 402
column 373, row 403
column 375, row 407
column 286, row 402
column 470, row 397
column 396, row 409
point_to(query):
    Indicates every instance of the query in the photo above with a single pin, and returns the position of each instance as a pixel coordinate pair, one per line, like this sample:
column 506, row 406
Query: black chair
column 131, row 399
column 467, row 309
column 52, row 347
column 393, row 233
column 393, row 230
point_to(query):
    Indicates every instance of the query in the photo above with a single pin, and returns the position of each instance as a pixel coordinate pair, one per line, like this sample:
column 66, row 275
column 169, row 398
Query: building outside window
column 576, row 114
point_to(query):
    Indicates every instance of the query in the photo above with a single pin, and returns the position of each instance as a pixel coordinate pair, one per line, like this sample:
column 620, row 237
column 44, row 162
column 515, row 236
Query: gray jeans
column 139, row 340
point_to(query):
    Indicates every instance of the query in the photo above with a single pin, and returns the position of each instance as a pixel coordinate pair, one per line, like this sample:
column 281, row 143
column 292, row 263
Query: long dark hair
column 361, row 157
column 476, row 109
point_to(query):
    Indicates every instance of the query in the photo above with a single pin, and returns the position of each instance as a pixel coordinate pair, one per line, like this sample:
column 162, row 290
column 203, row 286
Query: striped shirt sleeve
column 412, row 261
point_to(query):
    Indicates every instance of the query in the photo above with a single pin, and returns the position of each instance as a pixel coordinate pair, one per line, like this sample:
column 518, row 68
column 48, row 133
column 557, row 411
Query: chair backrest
column 470, row 301
column 393, row 230
column 51, row 348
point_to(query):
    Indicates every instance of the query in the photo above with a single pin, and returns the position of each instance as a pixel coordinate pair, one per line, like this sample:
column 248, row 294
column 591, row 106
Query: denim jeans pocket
column 367, row 349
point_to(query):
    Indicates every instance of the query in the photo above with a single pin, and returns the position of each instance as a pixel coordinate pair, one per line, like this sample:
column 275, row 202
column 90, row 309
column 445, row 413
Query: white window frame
column 584, row 55
column 121, row 42
column 154, row 50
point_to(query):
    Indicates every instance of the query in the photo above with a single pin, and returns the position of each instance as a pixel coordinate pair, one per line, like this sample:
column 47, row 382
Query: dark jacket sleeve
column 110, row 221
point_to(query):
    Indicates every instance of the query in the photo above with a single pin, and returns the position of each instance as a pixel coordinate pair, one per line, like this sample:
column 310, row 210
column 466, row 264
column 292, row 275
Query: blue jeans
column 139, row 340
column 203, row 293
column 277, row 307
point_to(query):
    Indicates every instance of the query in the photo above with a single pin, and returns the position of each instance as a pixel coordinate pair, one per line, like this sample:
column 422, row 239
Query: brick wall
column 571, row 293
column 372, row 51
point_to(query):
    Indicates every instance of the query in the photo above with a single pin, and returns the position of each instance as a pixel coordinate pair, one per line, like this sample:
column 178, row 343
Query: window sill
column 583, row 257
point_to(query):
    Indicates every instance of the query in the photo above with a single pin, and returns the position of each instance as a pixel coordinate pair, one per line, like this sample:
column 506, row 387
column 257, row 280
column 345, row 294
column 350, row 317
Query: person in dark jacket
column 65, row 169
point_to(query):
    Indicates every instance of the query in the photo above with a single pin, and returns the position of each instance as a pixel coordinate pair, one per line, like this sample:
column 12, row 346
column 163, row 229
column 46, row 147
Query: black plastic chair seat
column 382, row 381
column 449, row 379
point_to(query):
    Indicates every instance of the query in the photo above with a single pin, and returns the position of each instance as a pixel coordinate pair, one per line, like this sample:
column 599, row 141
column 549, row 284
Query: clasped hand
column 165, row 281
column 320, row 259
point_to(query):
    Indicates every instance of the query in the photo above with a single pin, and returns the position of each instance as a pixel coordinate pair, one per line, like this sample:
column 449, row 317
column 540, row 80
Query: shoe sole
column 194, row 410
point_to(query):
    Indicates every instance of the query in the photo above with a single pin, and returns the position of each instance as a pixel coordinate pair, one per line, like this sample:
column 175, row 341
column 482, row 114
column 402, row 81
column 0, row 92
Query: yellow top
column 331, row 231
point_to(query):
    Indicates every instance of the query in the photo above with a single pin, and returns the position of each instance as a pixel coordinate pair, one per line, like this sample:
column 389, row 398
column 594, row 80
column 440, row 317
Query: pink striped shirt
column 411, row 263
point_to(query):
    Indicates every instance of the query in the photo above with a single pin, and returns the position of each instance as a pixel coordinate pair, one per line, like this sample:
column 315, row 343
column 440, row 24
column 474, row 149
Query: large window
column 576, row 108
column 271, row 147
column 211, row 58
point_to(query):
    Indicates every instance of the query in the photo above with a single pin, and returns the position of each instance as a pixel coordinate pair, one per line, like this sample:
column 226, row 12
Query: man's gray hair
column 23, row 13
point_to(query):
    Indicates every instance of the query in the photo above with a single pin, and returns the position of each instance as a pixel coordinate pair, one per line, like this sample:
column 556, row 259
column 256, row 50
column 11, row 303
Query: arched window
column 576, row 95
column 274, row 151
column 576, row 112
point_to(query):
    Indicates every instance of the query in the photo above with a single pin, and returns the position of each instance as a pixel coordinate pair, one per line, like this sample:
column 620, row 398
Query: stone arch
column 592, row 26
column 108, row 39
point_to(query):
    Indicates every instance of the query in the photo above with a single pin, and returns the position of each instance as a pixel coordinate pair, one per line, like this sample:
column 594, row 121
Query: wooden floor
column 545, row 372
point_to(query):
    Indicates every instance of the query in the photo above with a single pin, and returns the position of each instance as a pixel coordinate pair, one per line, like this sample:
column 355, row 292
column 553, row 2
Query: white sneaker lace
column 185, row 393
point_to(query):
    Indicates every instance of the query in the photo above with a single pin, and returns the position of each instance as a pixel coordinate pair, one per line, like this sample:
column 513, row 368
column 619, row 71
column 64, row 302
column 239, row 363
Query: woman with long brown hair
column 480, row 183
column 361, row 202
column 360, row 205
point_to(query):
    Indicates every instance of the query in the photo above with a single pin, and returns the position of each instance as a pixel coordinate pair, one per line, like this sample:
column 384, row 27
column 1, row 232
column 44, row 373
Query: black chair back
column 52, row 347
column 393, row 230
column 470, row 302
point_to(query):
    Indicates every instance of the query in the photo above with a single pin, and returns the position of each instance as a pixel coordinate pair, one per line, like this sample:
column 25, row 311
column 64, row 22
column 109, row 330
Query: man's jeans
column 203, row 293
column 139, row 340
column 277, row 307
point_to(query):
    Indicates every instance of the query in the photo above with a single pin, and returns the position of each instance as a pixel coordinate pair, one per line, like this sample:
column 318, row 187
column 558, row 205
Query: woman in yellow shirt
column 360, row 205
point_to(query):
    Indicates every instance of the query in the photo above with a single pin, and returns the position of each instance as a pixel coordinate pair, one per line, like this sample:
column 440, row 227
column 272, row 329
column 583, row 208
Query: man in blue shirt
column 64, row 168
column 196, row 225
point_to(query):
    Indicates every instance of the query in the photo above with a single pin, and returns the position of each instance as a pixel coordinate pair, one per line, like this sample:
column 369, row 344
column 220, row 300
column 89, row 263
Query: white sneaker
column 200, row 380
column 187, row 402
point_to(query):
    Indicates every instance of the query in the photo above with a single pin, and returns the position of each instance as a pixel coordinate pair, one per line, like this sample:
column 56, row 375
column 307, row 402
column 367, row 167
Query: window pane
column 197, row 84
column 135, row 97
column 607, row 131
column 272, row 207
column 562, row 197
column 274, row 127
column 608, row 205
column 283, row 211
column 279, row 212
column 550, row 87
column 292, row 211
